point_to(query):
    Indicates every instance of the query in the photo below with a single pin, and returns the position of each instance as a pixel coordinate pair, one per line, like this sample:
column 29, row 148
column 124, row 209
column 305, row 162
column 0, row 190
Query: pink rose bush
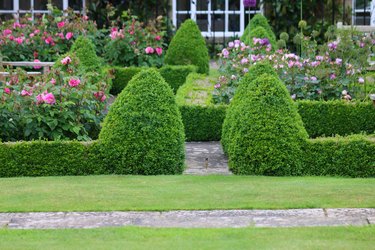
column 135, row 44
column 65, row 104
column 322, row 73
column 45, row 39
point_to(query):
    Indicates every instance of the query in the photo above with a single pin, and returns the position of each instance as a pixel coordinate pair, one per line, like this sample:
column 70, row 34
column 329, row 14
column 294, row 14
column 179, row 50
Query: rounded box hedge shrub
column 84, row 49
column 143, row 132
column 258, row 21
column 267, row 131
column 255, row 71
column 188, row 47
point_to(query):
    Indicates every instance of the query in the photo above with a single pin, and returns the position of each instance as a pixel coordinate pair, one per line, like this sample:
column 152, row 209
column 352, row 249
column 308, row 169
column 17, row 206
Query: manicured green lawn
column 148, row 238
column 105, row 193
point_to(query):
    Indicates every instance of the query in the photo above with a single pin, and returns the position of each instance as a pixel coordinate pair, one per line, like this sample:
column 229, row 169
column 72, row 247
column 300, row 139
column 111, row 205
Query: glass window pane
column 202, row 22
column 234, row 5
column 202, row 5
column 218, row 22
column 40, row 5
column 234, row 23
column 25, row 5
column 183, row 5
column 75, row 4
column 6, row 5
column 181, row 18
column 218, row 5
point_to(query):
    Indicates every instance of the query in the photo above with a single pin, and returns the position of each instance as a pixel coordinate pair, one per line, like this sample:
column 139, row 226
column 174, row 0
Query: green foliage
column 267, row 131
column 258, row 21
column 188, row 47
column 54, row 158
column 85, row 50
column 260, row 32
column 352, row 156
column 143, row 131
column 337, row 117
column 254, row 72
column 202, row 123
column 175, row 75
column 122, row 77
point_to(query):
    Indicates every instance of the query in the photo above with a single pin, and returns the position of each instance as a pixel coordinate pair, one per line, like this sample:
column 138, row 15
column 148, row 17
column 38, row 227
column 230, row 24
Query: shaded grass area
column 151, row 238
column 157, row 193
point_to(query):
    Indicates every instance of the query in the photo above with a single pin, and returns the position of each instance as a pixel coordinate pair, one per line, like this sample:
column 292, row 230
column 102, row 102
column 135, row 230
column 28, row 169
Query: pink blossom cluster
column 45, row 97
column 157, row 50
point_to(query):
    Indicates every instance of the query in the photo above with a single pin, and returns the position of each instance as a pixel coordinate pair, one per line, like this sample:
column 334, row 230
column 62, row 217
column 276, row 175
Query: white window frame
column 16, row 8
column 370, row 10
column 209, row 33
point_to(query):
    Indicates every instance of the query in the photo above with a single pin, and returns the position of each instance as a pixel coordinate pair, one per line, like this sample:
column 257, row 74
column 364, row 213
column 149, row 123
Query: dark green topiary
column 122, row 77
column 84, row 48
column 268, row 132
column 258, row 21
column 255, row 71
column 143, row 131
column 188, row 47
column 175, row 75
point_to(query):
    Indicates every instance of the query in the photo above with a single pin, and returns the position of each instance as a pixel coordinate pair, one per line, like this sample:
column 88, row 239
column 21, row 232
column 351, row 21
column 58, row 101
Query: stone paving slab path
column 204, row 158
column 191, row 219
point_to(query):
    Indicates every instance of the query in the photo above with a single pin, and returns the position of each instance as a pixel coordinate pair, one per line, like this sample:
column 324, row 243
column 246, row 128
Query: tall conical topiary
column 267, row 131
column 143, row 132
column 258, row 21
column 255, row 71
column 188, row 47
column 84, row 49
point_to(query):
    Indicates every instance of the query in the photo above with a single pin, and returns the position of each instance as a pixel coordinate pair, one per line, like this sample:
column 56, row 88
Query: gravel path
column 191, row 219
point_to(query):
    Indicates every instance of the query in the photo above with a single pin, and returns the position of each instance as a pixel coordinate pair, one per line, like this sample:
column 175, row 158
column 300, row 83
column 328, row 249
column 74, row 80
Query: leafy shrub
column 65, row 104
column 255, row 71
column 267, row 130
column 121, row 78
column 84, row 49
column 337, row 117
column 188, row 47
column 134, row 44
column 175, row 75
column 352, row 156
column 45, row 38
column 143, row 132
column 258, row 21
column 261, row 33
column 55, row 158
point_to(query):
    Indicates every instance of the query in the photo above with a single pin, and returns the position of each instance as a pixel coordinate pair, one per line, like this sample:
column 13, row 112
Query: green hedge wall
column 337, row 117
column 174, row 75
column 352, row 156
column 53, row 158
column 202, row 123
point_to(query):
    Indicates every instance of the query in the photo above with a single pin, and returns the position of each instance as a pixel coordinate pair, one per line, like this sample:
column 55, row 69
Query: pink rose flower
column 149, row 50
column 49, row 40
column 19, row 40
column 16, row 25
column 7, row 32
column 7, row 91
column 157, row 38
column 74, row 82
column 53, row 81
column 100, row 96
column 66, row 60
column 26, row 93
column 69, row 35
column 37, row 67
column 60, row 24
column 36, row 32
column 159, row 51
column 49, row 98
column 39, row 99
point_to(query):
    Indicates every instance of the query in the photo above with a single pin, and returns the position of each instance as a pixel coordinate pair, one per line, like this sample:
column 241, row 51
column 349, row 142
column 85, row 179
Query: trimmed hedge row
column 352, row 156
column 174, row 75
column 319, row 118
column 337, row 117
column 52, row 158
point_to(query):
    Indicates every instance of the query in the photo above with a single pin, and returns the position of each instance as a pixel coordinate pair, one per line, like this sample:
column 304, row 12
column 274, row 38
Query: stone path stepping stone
column 191, row 219
column 204, row 158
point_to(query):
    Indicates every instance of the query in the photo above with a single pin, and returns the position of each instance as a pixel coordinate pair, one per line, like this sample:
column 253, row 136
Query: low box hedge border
column 319, row 118
column 352, row 156
column 174, row 75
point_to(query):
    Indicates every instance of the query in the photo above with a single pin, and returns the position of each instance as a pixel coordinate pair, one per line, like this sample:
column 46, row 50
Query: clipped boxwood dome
column 84, row 49
column 258, row 21
column 143, row 132
column 267, row 131
column 188, row 47
column 256, row 70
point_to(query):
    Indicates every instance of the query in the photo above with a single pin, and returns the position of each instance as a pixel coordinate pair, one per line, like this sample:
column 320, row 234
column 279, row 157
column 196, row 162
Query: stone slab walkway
column 204, row 158
column 191, row 219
